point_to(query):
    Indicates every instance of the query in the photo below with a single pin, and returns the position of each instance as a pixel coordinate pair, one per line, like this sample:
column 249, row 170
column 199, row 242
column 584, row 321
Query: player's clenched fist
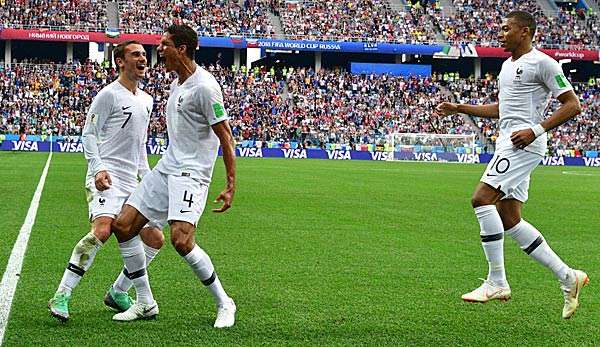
column 103, row 180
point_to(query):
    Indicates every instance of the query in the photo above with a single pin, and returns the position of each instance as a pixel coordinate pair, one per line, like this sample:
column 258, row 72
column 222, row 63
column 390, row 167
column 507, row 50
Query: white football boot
column 138, row 311
column 225, row 314
column 488, row 291
column 575, row 281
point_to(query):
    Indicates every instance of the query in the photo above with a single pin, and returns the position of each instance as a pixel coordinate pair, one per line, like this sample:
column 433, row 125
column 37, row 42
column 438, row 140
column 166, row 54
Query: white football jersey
column 114, row 136
column 526, row 86
column 193, row 107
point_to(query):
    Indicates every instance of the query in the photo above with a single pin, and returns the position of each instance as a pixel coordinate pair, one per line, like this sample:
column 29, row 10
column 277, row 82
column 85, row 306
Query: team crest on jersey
column 179, row 102
column 519, row 74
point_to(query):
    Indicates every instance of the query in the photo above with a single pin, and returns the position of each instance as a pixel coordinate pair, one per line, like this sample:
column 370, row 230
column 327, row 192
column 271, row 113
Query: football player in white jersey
column 114, row 142
column 527, row 81
column 175, row 191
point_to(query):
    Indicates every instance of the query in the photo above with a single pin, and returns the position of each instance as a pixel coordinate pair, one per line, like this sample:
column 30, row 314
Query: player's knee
column 120, row 227
column 102, row 233
column 183, row 246
column 153, row 237
column 182, row 240
column 101, row 228
column 477, row 201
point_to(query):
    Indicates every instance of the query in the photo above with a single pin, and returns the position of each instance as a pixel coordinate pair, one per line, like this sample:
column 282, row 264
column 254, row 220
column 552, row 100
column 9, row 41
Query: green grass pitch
column 315, row 252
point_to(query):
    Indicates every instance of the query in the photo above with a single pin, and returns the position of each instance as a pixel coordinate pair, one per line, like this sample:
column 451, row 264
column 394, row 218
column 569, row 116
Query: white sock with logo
column 81, row 260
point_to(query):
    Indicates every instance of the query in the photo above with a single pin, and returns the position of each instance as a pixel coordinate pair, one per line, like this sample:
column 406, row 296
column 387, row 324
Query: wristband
column 538, row 130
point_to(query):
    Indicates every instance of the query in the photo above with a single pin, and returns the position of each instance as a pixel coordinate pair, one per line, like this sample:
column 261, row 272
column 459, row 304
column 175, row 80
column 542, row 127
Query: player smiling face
column 134, row 63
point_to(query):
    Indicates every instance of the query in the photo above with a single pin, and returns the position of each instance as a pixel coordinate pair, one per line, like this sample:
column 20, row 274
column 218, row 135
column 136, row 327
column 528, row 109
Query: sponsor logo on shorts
column 184, row 211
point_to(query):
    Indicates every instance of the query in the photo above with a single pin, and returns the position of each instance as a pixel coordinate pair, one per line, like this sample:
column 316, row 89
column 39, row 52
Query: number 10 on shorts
column 498, row 167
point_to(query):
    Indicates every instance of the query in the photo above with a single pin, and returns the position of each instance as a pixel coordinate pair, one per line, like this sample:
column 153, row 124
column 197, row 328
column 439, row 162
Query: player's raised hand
column 446, row 109
column 522, row 138
column 227, row 197
column 103, row 180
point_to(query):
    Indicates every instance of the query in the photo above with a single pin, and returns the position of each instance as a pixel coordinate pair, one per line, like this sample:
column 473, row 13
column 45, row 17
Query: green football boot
column 119, row 302
column 59, row 306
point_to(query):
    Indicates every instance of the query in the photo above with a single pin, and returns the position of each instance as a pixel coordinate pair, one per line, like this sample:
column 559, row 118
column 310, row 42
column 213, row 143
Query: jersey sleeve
column 553, row 77
column 98, row 113
column 143, row 167
column 211, row 99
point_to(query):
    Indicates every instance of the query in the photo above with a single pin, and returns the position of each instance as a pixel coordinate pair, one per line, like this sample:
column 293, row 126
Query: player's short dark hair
column 184, row 35
column 119, row 50
column 525, row 19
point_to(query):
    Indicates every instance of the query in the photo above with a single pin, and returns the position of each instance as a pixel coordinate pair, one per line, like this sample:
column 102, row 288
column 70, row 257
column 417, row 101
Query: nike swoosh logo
column 490, row 175
column 146, row 310
column 182, row 211
column 125, row 107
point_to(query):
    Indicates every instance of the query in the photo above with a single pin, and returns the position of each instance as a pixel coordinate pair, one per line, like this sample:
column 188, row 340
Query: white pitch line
column 15, row 262
column 577, row 173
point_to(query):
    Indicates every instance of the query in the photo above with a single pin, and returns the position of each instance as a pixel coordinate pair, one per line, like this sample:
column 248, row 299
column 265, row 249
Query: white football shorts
column 510, row 170
column 163, row 198
column 107, row 203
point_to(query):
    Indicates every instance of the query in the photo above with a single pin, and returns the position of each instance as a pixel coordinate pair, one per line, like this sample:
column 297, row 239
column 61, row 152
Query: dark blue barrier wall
column 31, row 146
column 391, row 69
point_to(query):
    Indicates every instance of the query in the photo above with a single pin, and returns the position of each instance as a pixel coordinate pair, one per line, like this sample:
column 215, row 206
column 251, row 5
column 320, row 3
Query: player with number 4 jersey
column 175, row 191
column 527, row 81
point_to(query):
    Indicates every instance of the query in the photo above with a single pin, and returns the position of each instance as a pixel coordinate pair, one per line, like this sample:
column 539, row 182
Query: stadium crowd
column 76, row 15
column 365, row 20
column 208, row 17
column 422, row 21
column 479, row 21
column 289, row 105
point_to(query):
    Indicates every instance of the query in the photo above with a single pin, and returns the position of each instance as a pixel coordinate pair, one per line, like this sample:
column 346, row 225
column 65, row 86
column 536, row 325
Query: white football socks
column 200, row 262
column 81, row 260
column 122, row 283
column 492, row 240
column 135, row 263
column 533, row 243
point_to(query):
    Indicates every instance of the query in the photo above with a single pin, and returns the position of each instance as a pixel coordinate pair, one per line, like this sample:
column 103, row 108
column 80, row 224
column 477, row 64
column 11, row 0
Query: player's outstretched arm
column 485, row 111
column 223, row 132
column 570, row 107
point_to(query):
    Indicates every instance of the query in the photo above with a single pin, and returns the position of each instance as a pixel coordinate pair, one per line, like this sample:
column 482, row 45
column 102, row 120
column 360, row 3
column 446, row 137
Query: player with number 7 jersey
column 114, row 143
